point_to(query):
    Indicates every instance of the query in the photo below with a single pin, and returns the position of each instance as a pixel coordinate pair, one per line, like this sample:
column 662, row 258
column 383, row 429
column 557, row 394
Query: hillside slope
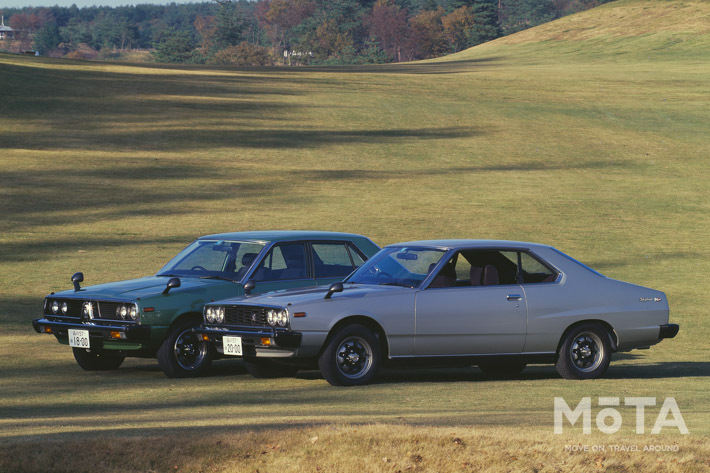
column 643, row 29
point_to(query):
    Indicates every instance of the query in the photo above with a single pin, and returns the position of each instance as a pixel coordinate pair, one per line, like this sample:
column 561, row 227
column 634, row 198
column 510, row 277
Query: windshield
column 398, row 266
column 213, row 259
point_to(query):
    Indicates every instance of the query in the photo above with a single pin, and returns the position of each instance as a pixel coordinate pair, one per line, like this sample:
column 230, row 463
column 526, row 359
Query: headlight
column 65, row 307
column 219, row 315
column 124, row 312
column 55, row 307
column 209, row 314
column 282, row 317
column 134, row 312
column 271, row 317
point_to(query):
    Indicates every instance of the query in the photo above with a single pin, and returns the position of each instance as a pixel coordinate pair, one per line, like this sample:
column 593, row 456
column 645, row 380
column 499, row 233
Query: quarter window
column 534, row 271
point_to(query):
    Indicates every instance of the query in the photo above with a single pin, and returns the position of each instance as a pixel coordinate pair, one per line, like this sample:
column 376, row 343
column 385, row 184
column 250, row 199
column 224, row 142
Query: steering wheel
column 201, row 268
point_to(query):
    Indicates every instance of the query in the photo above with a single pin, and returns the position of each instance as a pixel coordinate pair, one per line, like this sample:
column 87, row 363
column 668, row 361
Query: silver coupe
column 496, row 304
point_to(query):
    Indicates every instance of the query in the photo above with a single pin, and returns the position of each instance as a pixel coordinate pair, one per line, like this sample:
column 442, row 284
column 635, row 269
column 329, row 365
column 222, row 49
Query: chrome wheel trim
column 586, row 352
column 190, row 351
column 353, row 357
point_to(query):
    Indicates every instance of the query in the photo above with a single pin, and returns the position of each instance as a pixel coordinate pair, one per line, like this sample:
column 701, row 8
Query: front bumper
column 132, row 333
column 282, row 343
column 668, row 331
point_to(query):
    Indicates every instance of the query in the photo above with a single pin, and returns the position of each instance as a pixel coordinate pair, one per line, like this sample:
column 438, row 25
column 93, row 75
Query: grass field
column 590, row 133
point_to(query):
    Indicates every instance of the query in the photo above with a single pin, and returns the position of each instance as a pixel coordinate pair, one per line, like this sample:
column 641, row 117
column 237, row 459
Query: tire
column 97, row 360
column 502, row 369
column 183, row 354
column 352, row 357
column 263, row 368
column 585, row 352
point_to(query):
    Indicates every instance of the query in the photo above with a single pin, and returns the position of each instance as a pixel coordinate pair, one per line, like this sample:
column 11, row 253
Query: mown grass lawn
column 112, row 168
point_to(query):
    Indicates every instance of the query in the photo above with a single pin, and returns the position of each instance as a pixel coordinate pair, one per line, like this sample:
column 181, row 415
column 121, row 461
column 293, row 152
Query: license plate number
column 79, row 338
column 232, row 345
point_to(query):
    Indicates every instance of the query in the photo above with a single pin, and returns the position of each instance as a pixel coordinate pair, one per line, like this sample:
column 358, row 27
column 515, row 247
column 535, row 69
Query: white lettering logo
column 609, row 419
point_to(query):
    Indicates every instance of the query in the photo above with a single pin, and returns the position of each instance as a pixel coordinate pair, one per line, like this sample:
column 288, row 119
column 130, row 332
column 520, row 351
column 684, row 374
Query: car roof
column 281, row 235
column 451, row 244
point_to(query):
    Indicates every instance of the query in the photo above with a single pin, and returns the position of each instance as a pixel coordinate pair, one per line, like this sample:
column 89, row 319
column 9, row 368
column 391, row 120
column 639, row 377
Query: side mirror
column 172, row 282
column 76, row 279
column 335, row 287
column 249, row 286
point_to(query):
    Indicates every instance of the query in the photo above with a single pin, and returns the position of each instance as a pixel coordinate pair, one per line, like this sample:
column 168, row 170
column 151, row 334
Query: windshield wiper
column 395, row 284
column 217, row 277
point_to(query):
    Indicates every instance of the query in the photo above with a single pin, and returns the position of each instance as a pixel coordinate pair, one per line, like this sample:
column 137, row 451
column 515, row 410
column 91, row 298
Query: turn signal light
column 115, row 334
column 266, row 342
column 47, row 329
column 205, row 337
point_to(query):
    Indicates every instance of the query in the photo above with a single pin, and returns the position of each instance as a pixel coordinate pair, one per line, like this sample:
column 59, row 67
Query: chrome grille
column 245, row 315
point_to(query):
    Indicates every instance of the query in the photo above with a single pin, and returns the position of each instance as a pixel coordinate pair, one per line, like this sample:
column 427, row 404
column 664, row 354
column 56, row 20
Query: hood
column 312, row 294
column 132, row 289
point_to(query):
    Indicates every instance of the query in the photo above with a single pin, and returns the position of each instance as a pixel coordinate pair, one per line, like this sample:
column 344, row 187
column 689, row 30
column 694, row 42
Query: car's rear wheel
column 183, row 354
column 92, row 359
column 352, row 357
column 585, row 352
column 263, row 368
column 502, row 369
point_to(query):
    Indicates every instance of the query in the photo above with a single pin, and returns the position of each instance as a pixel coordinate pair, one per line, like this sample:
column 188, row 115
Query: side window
column 331, row 260
column 478, row 268
column 284, row 262
column 534, row 271
column 355, row 255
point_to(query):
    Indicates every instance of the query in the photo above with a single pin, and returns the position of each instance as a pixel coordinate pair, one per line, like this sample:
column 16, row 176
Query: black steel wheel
column 183, row 354
column 352, row 357
column 92, row 359
column 585, row 352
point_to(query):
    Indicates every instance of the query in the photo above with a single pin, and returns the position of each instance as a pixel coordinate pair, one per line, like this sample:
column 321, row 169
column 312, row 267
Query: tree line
column 243, row 32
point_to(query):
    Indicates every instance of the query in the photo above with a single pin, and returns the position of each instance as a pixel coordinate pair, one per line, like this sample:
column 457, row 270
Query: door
column 473, row 306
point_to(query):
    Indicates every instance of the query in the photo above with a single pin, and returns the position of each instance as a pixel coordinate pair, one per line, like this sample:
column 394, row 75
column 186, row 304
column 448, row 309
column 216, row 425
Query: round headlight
column 55, row 307
column 282, row 317
column 271, row 317
column 134, row 312
column 65, row 307
column 124, row 312
column 219, row 315
column 209, row 314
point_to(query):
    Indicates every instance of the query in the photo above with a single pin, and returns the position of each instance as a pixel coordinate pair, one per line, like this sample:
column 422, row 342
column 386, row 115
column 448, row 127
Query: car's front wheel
column 183, row 354
column 585, row 352
column 91, row 359
column 352, row 357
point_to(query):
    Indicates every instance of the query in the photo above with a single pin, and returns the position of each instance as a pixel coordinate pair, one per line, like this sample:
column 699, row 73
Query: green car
column 154, row 316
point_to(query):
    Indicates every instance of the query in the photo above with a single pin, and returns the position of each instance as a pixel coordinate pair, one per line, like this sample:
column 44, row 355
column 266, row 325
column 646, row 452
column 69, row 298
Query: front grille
column 107, row 310
column 102, row 310
column 245, row 315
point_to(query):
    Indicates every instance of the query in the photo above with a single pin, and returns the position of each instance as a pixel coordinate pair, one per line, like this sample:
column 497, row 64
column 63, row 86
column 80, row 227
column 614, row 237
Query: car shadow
column 683, row 369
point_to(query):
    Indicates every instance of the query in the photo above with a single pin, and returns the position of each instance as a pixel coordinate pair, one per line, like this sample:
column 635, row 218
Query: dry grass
column 358, row 448
column 111, row 169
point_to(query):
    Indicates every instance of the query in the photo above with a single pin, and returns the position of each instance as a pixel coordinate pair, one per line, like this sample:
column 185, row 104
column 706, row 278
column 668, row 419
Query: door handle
column 514, row 297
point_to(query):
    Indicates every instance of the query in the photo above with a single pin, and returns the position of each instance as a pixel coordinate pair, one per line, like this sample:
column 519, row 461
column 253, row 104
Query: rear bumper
column 283, row 343
column 116, row 332
column 668, row 331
